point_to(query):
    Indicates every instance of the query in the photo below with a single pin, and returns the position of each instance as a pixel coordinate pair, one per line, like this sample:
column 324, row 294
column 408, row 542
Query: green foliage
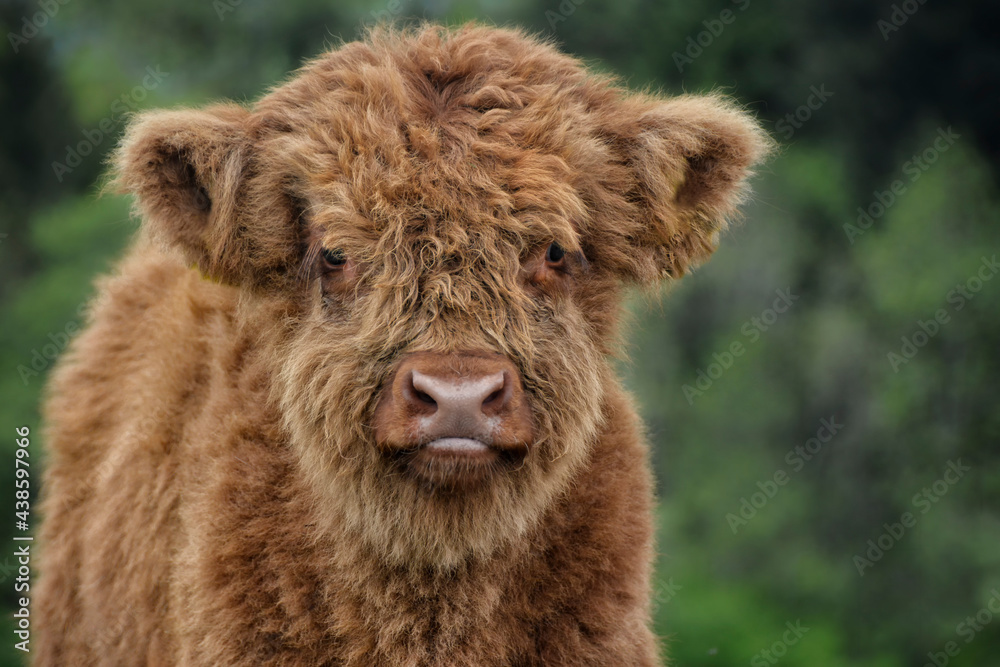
column 727, row 583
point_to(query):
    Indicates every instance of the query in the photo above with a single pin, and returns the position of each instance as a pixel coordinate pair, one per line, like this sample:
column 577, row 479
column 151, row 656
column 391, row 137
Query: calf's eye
column 334, row 258
column 554, row 255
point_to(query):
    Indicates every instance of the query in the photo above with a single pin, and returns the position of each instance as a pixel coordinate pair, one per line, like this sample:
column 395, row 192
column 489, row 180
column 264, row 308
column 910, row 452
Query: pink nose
column 448, row 406
column 458, row 395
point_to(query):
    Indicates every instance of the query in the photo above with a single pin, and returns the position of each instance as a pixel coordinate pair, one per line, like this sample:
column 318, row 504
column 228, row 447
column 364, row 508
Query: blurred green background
column 822, row 396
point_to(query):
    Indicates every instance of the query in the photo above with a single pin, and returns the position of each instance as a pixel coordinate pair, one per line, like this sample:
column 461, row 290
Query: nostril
column 419, row 390
column 416, row 392
column 500, row 394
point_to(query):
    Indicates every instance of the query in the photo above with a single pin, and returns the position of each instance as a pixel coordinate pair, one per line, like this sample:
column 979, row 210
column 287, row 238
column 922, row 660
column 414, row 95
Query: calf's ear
column 187, row 170
column 689, row 159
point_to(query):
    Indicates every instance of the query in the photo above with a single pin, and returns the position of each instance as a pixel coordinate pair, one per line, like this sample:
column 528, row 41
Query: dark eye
column 334, row 258
column 555, row 254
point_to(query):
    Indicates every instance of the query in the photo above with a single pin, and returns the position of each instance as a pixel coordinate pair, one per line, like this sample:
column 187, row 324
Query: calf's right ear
column 187, row 171
column 687, row 160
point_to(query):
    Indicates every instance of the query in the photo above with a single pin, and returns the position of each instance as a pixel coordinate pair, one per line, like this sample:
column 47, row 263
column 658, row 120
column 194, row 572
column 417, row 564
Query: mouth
column 468, row 448
column 459, row 462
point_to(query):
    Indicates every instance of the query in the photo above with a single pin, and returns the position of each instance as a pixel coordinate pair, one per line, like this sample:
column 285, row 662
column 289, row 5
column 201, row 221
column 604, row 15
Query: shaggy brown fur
column 220, row 491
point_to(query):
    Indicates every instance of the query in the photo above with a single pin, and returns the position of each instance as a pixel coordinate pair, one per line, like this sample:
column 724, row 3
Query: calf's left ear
column 189, row 171
column 689, row 159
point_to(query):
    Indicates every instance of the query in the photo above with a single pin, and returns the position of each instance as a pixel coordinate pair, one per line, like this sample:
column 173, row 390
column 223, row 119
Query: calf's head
column 431, row 231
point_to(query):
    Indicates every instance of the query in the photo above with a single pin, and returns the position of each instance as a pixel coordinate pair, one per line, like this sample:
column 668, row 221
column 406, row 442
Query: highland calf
column 348, row 400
